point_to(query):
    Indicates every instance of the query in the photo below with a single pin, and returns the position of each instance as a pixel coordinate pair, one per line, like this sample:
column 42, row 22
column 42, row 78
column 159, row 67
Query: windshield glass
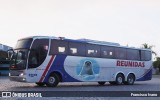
column 35, row 55
column 19, row 55
column 19, row 59
column 24, row 43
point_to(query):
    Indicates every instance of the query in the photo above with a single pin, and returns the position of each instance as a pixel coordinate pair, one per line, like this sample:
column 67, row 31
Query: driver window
column 38, row 52
column 33, row 58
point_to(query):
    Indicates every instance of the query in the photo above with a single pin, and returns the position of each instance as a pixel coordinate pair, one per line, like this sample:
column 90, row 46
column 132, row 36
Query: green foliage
column 146, row 46
column 156, row 64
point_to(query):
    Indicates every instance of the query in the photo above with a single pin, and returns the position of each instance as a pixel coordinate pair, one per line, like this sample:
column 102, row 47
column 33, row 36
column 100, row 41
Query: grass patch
column 156, row 74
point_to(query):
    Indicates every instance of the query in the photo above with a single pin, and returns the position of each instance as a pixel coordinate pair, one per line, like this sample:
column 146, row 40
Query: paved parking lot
column 152, row 85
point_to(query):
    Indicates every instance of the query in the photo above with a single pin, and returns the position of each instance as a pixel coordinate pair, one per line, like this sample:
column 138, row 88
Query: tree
column 146, row 46
column 156, row 63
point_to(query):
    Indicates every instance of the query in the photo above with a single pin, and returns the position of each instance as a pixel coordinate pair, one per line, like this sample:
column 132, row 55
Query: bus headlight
column 22, row 74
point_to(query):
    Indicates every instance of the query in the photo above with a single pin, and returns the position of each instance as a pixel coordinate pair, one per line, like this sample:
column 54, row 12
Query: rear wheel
column 53, row 80
column 119, row 79
column 101, row 83
column 40, row 84
column 130, row 79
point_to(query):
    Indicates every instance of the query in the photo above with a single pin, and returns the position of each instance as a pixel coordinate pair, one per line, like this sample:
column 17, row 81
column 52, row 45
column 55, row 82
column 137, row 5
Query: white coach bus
column 49, row 60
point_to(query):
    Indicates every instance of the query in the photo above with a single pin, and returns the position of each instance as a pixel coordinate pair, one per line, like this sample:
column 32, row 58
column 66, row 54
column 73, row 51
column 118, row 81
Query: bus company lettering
column 130, row 63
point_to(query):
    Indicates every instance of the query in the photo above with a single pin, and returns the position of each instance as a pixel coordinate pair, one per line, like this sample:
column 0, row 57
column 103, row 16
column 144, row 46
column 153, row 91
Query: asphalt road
column 152, row 85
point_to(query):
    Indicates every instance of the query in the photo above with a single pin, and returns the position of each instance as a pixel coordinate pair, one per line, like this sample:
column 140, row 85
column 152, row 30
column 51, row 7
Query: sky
column 128, row 22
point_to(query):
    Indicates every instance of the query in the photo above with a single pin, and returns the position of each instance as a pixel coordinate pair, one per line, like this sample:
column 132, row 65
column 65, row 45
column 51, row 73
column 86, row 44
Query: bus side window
column 38, row 52
column 142, row 55
column 58, row 47
column 61, row 50
column 42, row 53
column 147, row 55
column 104, row 53
column 76, row 49
column 92, row 50
column 133, row 54
column 33, row 58
column 120, row 53
column 73, row 51
column 107, row 52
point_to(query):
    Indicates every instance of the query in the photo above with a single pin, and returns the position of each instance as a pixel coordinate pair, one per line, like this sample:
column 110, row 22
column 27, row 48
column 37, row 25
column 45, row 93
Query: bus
column 4, row 67
column 47, row 60
column 4, row 62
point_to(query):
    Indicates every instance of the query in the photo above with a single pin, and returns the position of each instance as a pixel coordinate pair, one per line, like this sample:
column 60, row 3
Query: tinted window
column 59, row 47
column 38, row 52
column 142, row 55
column 107, row 52
column 3, row 55
column 24, row 43
column 147, row 55
column 77, row 49
column 133, row 54
column 92, row 50
column 120, row 53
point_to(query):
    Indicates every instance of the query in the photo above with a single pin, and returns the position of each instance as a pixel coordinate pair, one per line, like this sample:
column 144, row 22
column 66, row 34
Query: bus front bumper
column 17, row 78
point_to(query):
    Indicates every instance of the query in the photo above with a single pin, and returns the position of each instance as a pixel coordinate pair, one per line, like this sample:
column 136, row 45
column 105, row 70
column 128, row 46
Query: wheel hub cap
column 51, row 80
column 130, row 80
column 120, row 80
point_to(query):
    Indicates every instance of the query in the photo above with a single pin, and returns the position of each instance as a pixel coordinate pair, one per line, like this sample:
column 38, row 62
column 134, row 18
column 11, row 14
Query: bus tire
column 40, row 84
column 53, row 80
column 101, row 83
column 130, row 79
column 119, row 79
column 112, row 82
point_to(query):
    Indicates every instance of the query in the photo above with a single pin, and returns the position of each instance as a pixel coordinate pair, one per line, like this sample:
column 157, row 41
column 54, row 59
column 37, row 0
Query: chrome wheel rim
column 130, row 80
column 119, row 80
column 51, row 80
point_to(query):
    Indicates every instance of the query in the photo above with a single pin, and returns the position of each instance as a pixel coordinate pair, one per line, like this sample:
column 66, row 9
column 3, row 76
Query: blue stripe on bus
column 147, row 76
column 58, row 66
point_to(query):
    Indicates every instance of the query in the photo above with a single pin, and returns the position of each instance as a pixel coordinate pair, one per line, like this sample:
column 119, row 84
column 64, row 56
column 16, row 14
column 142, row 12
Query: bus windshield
column 24, row 43
column 19, row 59
column 19, row 55
column 24, row 52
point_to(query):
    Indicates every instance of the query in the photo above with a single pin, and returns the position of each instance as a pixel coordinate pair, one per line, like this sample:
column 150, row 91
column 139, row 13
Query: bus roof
column 4, row 47
column 84, row 41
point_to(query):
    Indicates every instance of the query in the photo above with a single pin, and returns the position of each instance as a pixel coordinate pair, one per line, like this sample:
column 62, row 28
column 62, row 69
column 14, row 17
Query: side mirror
column 10, row 53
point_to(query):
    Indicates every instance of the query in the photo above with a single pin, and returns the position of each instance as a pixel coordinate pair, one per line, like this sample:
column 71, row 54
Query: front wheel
column 101, row 83
column 53, row 80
